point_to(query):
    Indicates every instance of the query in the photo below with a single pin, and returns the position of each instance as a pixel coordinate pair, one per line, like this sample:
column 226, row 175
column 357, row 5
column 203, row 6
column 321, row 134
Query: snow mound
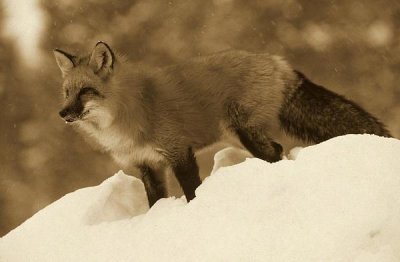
column 337, row 201
column 294, row 152
column 229, row 156
column 118, row 197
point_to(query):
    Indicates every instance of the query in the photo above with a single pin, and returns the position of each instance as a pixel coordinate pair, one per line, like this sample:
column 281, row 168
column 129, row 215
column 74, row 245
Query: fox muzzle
column 72, row 112
column 67, row 116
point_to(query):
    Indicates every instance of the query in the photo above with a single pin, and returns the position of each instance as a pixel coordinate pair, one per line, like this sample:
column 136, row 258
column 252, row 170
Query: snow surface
column 229, row 156
column 337, row 201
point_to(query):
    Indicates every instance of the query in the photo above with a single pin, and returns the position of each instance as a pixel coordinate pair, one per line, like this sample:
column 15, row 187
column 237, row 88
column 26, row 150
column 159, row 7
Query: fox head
column 85, row 85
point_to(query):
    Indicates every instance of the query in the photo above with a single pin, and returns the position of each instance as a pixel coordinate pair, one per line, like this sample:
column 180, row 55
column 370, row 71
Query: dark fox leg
column 260, row 145
column 155, row 188
column 253, row 138
column 186, row 171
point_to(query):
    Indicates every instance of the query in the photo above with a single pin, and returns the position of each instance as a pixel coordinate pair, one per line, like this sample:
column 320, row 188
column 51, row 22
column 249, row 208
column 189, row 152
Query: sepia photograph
column 199, row 130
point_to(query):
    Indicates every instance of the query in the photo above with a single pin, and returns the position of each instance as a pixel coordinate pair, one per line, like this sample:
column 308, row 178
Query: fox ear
column 64, row 61
column 102, row 59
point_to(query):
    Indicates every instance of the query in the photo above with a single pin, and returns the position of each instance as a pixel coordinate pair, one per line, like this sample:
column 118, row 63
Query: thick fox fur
column 158, row 118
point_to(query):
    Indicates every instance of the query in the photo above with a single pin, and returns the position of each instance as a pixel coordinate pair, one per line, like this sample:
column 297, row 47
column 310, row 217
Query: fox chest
column 108, row 139
column 124, row 149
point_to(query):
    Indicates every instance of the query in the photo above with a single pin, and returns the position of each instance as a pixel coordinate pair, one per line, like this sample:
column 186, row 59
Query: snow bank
column 337, row 201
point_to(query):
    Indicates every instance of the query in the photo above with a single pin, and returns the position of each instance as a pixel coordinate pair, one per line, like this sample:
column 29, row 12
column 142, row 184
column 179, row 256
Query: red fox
column 159, row 118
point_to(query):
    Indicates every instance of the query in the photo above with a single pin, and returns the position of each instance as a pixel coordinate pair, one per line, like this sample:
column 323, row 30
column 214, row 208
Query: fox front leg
column 186, row 171
column 155, row 187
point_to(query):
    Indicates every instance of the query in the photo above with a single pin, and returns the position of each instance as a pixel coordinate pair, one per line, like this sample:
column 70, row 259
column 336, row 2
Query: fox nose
column 66, row 115
column 63, row 113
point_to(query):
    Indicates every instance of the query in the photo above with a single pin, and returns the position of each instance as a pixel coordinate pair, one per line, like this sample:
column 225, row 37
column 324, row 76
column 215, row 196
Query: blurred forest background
column 351, row 47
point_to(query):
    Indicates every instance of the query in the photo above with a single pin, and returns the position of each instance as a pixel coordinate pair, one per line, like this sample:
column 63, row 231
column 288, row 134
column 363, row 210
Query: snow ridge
column 335, row 201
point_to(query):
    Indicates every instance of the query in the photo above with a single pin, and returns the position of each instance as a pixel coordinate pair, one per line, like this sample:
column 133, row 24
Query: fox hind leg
column 259, row 144
column 252, row 136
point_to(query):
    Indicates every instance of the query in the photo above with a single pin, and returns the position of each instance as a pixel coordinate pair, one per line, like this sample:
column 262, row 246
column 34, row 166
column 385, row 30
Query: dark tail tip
column 315, row 114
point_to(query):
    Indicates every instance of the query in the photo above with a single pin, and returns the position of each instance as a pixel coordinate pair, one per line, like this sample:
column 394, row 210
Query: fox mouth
column 70, row 119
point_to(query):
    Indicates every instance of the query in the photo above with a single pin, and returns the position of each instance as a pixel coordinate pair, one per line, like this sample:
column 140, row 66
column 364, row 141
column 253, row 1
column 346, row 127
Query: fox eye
column 89, row 91
column 66, row 93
